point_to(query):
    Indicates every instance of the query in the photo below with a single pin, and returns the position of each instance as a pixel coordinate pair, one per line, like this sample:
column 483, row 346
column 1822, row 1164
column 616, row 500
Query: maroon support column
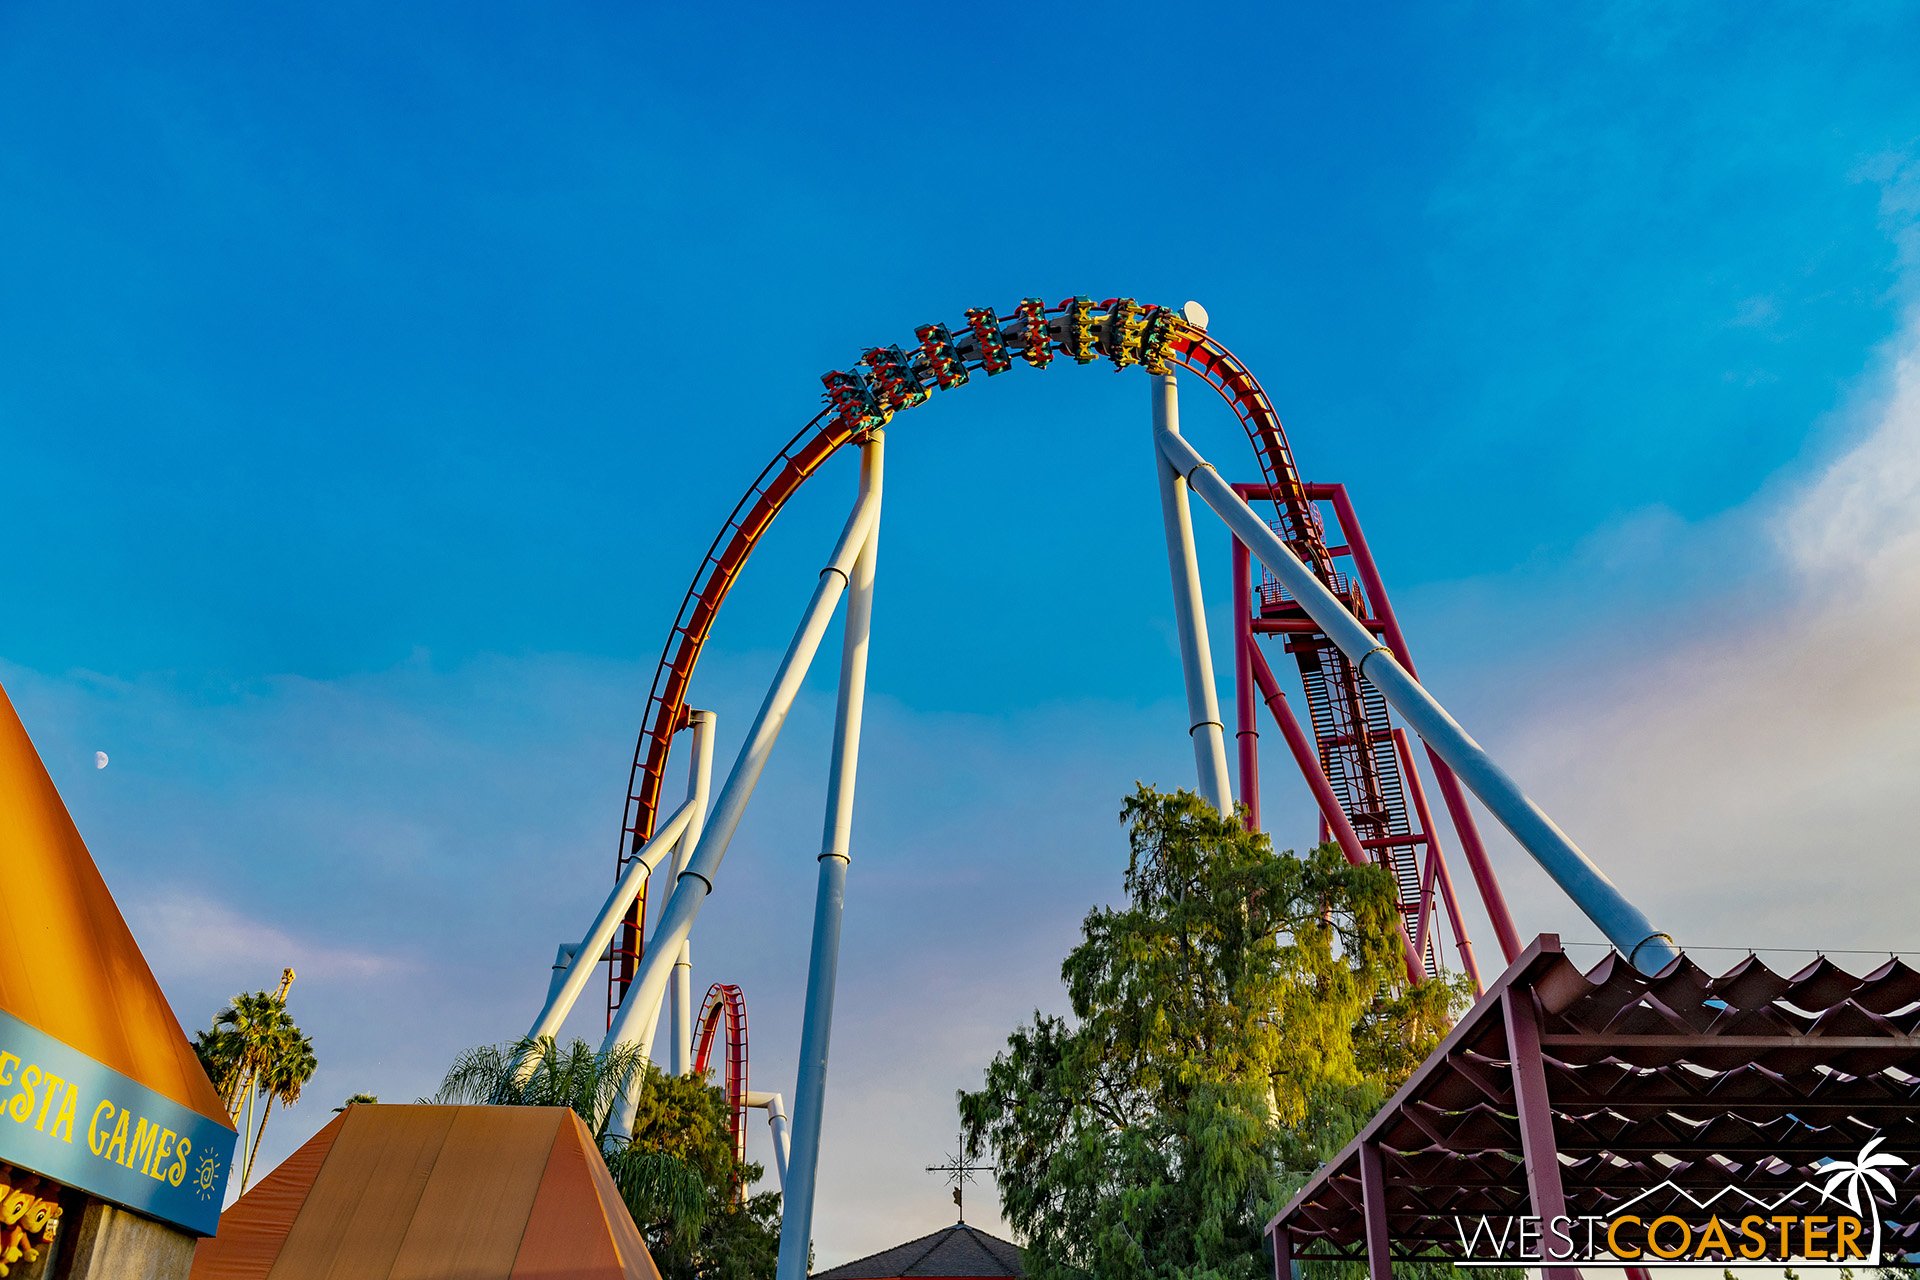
column 1538, row 1148
column 1308, row 762
column 1330, row 811
column 1451, row 793
column 1438, row 864
column 1373, row 1194
column 1246, row 729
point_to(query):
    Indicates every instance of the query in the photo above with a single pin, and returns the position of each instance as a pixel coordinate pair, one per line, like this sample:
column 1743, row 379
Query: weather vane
column 960, row 1173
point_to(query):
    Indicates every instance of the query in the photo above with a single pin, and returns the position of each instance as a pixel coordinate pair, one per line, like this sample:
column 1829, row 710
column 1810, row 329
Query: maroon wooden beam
column 1538, row 1151
column 1707, row 1108
column 1373, row 1190
column 1694, row 1044
column 1282, row 1254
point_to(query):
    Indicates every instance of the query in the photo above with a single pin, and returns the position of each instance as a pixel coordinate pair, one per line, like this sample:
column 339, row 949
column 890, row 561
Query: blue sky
column 375, row 377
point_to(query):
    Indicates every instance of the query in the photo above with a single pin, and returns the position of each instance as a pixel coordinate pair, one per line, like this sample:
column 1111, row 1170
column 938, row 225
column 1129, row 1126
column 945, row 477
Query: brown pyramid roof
column 957, row 1253
column 68, row 963
column 434, row 1193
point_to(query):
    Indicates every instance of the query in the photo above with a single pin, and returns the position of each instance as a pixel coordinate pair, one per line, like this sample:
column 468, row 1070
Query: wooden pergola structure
column 1565, row 1093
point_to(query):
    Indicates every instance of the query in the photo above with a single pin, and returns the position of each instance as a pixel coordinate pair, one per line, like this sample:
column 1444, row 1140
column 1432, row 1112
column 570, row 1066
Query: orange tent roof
column 68, row 963
column 434, row 1193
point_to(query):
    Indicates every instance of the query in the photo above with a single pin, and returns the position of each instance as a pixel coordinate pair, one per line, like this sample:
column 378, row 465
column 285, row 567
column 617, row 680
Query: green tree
column 254, row 1053
column 677, row 1174
column 290, row 1064
column 1232, row 1025
column 235, row 1048
column 739, row 1238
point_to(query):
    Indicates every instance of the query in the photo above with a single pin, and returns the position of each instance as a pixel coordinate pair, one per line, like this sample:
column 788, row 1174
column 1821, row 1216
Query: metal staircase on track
column 1354, row 739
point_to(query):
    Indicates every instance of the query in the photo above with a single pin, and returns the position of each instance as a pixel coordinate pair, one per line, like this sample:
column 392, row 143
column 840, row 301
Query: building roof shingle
column 952, row 1253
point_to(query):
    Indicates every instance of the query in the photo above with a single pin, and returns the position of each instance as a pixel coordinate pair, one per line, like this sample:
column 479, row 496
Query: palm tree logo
column 1864, row 1181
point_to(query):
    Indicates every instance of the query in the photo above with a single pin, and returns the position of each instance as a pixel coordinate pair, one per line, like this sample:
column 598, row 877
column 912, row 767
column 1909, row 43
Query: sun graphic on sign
column 206, row 1177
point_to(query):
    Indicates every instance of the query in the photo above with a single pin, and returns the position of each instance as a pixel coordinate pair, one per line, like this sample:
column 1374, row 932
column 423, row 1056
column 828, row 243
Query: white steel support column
column 634, row 1022
column 776, row 1109
column 1189, row 613
column 699, row 783
column 1624, row 924
column 823, row 965
column 566, row 988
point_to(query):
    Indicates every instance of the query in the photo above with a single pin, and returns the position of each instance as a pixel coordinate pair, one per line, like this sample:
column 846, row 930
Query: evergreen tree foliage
column 1233, row 1024
column 739, row 1238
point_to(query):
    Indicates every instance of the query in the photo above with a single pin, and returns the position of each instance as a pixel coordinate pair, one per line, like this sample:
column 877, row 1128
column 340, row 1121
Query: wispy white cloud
column 1855, row 530
column 189, row 935
column 1743, row 763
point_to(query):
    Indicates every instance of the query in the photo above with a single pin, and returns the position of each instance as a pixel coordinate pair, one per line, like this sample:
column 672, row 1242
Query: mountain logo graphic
column 1829, row 1220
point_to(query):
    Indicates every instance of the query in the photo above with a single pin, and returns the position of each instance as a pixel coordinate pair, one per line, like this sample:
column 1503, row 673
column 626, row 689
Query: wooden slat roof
column 1747, row 1077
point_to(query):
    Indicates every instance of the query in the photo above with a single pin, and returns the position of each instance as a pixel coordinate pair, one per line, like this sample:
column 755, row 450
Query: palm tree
column 219, row 1052
column 357, row 1100
column 1863, row 1178
column 290, row 1065
column 234, row 1050
column 254, row 1051
column 538, row 1073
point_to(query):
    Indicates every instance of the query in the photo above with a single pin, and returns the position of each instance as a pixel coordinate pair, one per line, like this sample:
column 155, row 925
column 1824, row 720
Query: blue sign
column 66, row 1117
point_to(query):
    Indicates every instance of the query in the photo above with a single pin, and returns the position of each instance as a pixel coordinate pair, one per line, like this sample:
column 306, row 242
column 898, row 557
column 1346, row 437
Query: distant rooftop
column 957, row 1252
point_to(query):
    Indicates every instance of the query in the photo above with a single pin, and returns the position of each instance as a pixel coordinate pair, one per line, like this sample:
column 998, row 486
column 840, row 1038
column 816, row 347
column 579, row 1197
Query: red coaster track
column 1352, row 737
column 726, row 1004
